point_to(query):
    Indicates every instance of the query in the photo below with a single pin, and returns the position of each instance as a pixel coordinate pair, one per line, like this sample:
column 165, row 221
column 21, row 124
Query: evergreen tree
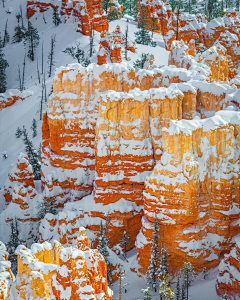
column 39, row 151
column 32, row 155
column 103, row 248
column 163, row 268
column 18, row 133
column 124, row 243
column 56, row 17
column 146, row 293
column 154, row 261
column 92, row 44
column 3, row 77
column 106, row 5
column 13, row 243
column 126, row 42
column 178, row 290
column 142, row 36
column 183, row 294
column 205, row 273
column 114, row 14
column 225, row 296
column 188, row 274
column 19, row 34
column 34, row 127
column 76, row 53
column 51, row 55
column 165, row 290
column 31, row 40
column 45, row 207
column 153, row 27
column 6, row 37
column 4, row 154
column 139, row 64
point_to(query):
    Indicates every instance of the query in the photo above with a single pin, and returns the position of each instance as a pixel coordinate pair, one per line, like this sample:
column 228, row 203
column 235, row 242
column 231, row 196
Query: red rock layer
column 194, row 191
column 11, row 96
column 73, row 273
column 228, row 280
column 111, row 43
column 87, row 14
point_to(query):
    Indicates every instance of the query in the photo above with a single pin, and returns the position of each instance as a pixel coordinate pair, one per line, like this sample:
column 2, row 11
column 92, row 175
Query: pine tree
column 31, row 40
column 76, row 53
column 13, row 243
column 92, row 44
column 188, row 274
column 183, row 293
column 205, row 273
column 56, row 18
column 163, row 268
column 103, row 247
column 3, row 77
column 126, row 42
column 142, row 36
column 6, row 37
column 124, row 242
column 154, row 261
column 39, row 151
column 45, row 207
column 114, row 14
column 225, row 296
column 153, row 27
column 51, row 55
column 18, row 133
column 139, row 63
column 34, row 127
column 32, row 155
column 19, row 34
column 4, row 154
column 146, row 293
column 178, row 290
column 165, row 290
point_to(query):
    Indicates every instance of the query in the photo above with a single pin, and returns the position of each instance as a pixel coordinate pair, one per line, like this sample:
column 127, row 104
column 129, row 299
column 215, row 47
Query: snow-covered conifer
column 183, row 293
column 34, row 127
column 178, row 290
column 122, row 281
column 146, row 293
column 188, row 275
column 4, row 154
column 18, row 133
column 205, row 273
column 165, row 290
column 46, row 206
column 139, row 64
column 32, row 155
column 51, row 55
column 142, row 36
column 13, row 243
column 124, row 243
column 76, row 53
column 6, row 36
column 31, row 40
column 163, row 268
column 154, row 261
column 56, row 18
column 3, row 77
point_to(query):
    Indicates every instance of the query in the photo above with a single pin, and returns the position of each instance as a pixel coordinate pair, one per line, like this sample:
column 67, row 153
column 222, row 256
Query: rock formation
column 228, row 280
column 194, row 191
column 6, row 276
column 11, row 96
column 48, row 272
column 87, row 14
column 21, row 201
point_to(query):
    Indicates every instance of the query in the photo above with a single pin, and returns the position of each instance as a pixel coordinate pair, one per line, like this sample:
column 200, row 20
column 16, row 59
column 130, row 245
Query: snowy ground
column 201, row 289
column 23, row 112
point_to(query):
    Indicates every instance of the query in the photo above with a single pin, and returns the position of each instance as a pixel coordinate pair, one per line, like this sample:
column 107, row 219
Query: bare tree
column 51, row 55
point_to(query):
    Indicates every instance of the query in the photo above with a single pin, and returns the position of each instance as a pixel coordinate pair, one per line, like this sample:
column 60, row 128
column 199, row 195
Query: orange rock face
column 6, row 276
column 88, row 13
column 73, row 273
column 228, row 280
column 190, row 190
column 11, row 96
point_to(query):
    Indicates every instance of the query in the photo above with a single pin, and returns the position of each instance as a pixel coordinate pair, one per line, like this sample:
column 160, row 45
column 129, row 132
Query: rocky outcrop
column 21, row 201
column 194, row 192
column 75, row 272
column 11, row 96
column 87, row 14
column 6, row 276
column 228, row 280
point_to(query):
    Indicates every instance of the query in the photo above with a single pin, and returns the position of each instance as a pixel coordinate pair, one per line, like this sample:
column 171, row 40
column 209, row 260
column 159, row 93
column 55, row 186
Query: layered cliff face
column 6, row 276
column 194, row 191
column 48, row 272
column 11, row 96
column 228, row 280
column 21, row 201
column 87, row 14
